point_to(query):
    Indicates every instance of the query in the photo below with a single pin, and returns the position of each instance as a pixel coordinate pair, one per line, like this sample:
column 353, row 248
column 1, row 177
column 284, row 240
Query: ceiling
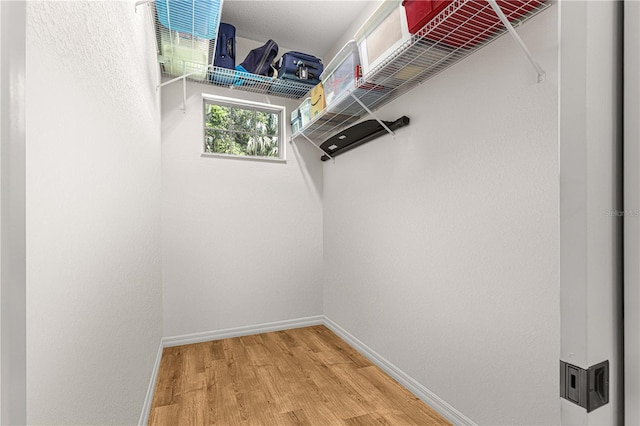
column 312, row 27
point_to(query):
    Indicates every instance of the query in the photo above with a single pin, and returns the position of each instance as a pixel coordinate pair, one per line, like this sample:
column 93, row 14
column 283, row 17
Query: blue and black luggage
column 300, row 67
column 225, row 54
column 259, row 60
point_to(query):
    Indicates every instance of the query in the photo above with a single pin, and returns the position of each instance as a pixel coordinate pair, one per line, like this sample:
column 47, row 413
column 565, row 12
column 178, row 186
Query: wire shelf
column 461, row 29
column 185, row 42
column 237, row 80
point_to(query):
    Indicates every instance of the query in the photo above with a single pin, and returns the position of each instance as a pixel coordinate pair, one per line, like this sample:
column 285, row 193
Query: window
column 242, row 128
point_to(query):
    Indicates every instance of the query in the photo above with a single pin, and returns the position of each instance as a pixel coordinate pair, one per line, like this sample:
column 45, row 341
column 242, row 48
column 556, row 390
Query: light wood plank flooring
column 305, row 376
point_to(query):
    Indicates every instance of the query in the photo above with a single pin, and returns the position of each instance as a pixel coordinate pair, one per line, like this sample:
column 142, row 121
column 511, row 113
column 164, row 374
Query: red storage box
column 469, row 24
column 419, row 12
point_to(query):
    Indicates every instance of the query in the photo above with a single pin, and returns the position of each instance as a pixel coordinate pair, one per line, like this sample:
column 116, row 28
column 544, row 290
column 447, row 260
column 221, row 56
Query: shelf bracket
column 183, row 77
column 184, row 87
column 496, row 8
column 317, row 147
column 184, row 94
column 373, row 115
column 173, row 80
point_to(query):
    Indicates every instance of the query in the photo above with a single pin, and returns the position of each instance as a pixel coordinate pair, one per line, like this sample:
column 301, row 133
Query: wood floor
column 305, row 376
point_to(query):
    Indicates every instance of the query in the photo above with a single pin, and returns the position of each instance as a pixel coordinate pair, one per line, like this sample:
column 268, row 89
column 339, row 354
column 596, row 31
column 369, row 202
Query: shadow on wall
column 307, row 158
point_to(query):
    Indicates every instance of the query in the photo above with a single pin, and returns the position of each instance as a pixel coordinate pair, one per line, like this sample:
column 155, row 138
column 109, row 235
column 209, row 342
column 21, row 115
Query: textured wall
column 93, row 212
column 242, row 239
column 441, row 246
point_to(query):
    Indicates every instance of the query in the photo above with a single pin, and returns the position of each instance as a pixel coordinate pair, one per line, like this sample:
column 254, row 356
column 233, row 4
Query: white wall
column 441, row 246
column 12, row 214
column 632, row 210
column 242, row 239
column 590, row 156
column 93, row 212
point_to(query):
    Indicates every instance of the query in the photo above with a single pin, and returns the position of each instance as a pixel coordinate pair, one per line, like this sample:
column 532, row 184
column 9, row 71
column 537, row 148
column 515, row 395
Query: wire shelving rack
column 441, row 43
column 461, row 29
column 185, row 52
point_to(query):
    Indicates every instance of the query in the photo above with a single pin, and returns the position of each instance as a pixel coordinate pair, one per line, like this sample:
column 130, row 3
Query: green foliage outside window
column 241, row 131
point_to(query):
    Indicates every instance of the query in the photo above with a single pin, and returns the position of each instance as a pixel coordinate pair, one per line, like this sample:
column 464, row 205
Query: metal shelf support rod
column 373, row 115
column 184, row 94
column 317, row 147
column 541, row 73
column 173, row 80
column 184, row 88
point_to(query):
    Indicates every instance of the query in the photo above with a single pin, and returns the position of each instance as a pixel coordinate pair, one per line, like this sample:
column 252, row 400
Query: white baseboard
column 431, row 399
column 148, row 399
column 206, row 336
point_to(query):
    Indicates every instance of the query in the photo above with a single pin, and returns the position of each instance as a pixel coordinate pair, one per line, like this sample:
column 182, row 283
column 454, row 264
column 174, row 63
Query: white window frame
column 256, row 106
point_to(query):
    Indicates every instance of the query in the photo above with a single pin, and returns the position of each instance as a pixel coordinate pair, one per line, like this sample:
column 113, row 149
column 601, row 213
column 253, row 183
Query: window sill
column 245, row 158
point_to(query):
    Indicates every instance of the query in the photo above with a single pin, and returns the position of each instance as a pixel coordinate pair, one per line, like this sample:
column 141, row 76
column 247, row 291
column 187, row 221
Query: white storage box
column 184, row 54
column 301, row 115
column 296, row 120
column 340, row 75
column 305, row 111
column 340, row 80
column 384, row 32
